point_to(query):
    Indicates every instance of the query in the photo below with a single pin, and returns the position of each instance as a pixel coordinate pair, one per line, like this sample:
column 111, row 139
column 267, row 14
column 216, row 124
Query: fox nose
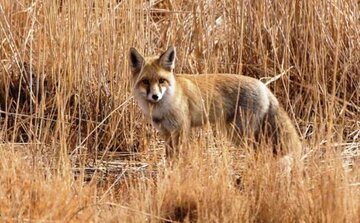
column 155, row 97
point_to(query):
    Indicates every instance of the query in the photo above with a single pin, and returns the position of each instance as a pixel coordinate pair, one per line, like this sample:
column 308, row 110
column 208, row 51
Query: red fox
column 175, row 103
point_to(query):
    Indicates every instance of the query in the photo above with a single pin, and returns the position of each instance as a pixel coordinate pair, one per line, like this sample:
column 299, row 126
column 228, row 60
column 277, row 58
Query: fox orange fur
column 175, row 103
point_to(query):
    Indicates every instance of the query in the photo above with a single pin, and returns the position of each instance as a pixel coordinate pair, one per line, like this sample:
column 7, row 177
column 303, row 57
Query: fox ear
column 167, row 59
column 136, row 61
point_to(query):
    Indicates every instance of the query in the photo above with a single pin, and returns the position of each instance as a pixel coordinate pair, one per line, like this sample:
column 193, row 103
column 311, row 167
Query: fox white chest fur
column 174, row 104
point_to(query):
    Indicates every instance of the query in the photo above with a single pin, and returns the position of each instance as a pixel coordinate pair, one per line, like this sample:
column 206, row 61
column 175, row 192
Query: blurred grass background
column 75, row 147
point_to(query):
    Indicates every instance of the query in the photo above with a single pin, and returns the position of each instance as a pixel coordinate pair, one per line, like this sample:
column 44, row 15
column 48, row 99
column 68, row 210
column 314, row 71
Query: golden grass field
column 74, row 146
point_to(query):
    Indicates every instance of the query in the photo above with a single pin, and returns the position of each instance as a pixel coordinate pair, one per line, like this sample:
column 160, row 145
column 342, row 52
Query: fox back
column 175, row 103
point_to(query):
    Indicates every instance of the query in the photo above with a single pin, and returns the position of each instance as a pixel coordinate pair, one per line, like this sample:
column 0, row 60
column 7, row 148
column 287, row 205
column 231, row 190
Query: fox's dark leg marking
column 270, row 128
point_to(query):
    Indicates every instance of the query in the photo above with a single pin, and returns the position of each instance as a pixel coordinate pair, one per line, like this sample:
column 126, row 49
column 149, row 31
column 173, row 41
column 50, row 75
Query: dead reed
column 74, row 146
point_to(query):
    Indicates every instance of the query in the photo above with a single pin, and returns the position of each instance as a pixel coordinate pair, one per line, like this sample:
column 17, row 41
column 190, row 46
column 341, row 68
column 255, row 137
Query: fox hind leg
column 246, row 129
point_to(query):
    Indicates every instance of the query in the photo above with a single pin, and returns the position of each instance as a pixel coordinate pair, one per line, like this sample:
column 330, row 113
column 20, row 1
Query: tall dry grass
column 74, row 146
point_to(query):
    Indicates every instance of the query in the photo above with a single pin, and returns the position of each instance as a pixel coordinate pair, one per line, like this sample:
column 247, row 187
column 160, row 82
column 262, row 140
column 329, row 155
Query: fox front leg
column 176, row 139
column 172, row 144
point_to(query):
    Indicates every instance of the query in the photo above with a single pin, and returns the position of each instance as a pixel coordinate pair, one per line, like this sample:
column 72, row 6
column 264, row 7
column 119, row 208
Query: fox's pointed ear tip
column 132, row 49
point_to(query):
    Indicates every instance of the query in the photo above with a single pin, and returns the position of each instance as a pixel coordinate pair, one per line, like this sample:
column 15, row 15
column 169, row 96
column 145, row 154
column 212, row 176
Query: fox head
column 153, row 77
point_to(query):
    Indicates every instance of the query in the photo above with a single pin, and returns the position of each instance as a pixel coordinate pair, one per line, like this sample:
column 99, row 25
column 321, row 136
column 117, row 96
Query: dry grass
column 74, row 146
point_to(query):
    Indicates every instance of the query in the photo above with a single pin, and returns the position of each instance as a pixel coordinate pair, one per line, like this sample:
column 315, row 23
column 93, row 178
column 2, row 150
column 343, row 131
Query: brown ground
column 74, row 146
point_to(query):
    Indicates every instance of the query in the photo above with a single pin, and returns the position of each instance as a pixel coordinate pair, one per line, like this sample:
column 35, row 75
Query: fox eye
column 145, row 82
column 161, row 80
